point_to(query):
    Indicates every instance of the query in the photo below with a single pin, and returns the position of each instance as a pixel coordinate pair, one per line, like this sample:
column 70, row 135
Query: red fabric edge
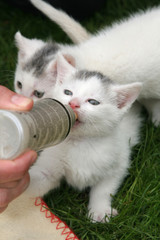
column 65, row 230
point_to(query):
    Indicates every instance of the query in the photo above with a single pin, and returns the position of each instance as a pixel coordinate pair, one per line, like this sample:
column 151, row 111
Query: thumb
column 12, row 101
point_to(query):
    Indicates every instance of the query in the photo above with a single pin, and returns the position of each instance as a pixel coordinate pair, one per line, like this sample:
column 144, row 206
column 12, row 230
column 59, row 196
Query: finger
column 22, row 186
column 2, row 209
column 4, row 198
column 14, row 170
column 13, row 101
column 7, row 195
column 10, row 185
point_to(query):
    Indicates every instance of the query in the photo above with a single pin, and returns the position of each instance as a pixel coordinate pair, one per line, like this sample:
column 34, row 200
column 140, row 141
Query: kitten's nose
column 74, row 103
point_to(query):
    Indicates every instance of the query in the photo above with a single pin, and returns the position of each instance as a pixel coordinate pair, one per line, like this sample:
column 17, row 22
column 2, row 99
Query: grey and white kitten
column 126, row 52
column 96, row 153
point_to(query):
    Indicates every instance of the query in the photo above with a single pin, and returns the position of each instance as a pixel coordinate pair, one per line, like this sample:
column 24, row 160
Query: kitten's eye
column 38, row 94
column 19, row 85
column 93, row 102
column 68, row 92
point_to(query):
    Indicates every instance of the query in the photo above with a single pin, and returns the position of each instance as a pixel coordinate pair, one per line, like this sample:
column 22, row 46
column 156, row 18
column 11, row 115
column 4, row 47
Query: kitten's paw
column 102, row 216
column 156, row 118
column 153, row 107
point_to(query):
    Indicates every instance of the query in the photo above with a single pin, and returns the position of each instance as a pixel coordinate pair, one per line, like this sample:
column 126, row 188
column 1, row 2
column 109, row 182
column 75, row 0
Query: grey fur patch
column 84, row 75
column 41, row 58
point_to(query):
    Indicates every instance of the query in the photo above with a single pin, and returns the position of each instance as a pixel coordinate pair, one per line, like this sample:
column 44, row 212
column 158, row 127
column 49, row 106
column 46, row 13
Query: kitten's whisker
column 93, row 125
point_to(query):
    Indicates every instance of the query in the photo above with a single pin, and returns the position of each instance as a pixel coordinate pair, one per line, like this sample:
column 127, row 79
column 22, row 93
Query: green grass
column 138, row 200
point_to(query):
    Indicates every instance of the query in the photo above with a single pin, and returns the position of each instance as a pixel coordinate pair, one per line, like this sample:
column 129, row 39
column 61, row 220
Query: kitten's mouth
column 77, row 122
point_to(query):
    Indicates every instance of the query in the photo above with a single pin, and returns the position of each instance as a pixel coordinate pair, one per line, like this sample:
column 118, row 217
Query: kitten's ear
column 63, row 67
column 26, row 46
column 127, row 94
column 70, row 59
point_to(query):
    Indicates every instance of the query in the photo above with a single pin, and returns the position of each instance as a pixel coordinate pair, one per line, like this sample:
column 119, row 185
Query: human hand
column 14, row 177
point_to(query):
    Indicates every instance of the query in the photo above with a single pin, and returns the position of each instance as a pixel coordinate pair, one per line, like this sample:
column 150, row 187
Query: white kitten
column 127, row 52
column 72, row 28
column 96, row 153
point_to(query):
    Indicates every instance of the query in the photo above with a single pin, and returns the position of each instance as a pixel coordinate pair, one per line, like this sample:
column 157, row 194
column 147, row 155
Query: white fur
column 96, row 153
column 27, row 47
column 72, row 28
column 127, row 52
column 32, row 83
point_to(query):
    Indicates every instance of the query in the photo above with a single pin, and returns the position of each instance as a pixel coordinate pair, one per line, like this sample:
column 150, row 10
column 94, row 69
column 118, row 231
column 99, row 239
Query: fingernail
column 34, row 157
column 20, row 100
